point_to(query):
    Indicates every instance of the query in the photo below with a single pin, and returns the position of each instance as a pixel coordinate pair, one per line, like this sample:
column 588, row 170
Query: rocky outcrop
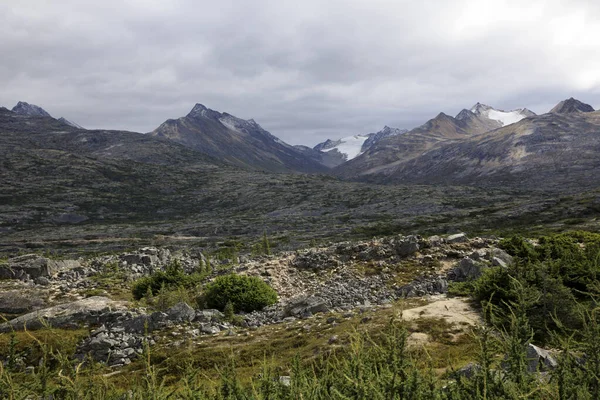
column 16, row 302
column 92, row 311
column 32, row 266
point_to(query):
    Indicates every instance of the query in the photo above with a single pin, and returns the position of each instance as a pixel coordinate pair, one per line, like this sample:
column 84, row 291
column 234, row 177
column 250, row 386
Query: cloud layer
column 305, row 71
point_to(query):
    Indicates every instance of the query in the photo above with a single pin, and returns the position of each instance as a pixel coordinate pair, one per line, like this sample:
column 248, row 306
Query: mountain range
column 487, row 147
column 210, row 174
column 480, row 146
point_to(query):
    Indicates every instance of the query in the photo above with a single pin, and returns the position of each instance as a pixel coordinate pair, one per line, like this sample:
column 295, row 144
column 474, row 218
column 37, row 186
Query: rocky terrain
column 340, row 280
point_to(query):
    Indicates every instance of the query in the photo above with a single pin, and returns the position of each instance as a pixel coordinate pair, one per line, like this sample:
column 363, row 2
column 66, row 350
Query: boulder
column 500, row 257
column 32, row 266
column 457, row 238
column 181, row 312
column 305, row 306
column 407, row 246
column 209, row 315
column 467, row 269
column 14, row 302
column 65, row 315
column 539, row 359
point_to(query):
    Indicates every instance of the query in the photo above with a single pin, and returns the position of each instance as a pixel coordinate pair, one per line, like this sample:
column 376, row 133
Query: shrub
column 246, row 293
column 172, row 277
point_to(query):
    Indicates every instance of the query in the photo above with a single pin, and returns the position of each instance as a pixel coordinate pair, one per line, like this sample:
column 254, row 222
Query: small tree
column 246, row 293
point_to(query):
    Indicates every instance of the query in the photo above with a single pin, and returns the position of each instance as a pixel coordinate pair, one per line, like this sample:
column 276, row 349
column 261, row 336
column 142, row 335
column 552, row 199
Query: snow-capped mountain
column 350, row 147
column 25, row 108
column 495, row 118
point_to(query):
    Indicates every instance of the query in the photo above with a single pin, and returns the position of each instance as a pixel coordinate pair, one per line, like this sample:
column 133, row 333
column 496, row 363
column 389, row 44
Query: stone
column 208, row 315
column 457, row 238
column 65, row 315
column 539, row 359
column 34, row 266
column 333, row 339
column 467, row 269
column 14, row 302
column 305, row 305
column 285, row 380
column 497, row 262
column 42, row 281
column 468, row 371
column 407, row 246
column 181, row 312
column 503, row 258
column 209, row 329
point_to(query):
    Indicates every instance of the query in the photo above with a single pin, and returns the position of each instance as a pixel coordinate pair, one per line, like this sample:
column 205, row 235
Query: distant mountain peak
column 571, row 105
column 201, row 111
column 480, row 108
column 25, row 108
column 490, row 113
column 70, row 123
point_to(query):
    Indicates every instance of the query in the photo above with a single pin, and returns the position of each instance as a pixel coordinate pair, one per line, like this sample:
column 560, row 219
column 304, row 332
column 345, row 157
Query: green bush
column 172, row 277
column 246, row 293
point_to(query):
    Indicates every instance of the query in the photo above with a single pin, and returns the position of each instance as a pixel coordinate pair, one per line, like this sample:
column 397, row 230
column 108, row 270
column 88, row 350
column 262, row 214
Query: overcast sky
column 305, row 70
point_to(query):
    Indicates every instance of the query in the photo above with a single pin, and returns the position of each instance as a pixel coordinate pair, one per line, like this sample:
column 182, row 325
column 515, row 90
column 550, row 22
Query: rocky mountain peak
column 465, row 115
column 571, row 106
column 480, row 108
column 25, row 108
column 201, row 111
column 70, row 123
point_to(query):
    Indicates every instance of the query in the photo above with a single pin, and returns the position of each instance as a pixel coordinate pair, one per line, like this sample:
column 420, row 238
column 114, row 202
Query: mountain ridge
column 243, row 143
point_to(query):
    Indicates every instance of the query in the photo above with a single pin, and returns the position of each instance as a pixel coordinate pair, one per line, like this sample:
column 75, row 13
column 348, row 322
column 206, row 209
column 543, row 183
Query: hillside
column 236, row 141
column 553, row 151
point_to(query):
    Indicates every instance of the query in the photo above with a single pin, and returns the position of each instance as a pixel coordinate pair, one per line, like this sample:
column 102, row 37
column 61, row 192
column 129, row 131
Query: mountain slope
column 24, row 108
column 570, row 106
column 234, row 140
column 550, row 151
column 350, row 147
column 73, row 124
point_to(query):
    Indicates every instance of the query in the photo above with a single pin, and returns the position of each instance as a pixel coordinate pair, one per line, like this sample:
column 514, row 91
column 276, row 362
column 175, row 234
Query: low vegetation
column 245, row 293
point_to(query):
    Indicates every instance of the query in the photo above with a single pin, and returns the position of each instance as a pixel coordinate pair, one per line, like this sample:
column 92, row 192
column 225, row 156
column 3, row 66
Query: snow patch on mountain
column 503, row 117
column 350, row 146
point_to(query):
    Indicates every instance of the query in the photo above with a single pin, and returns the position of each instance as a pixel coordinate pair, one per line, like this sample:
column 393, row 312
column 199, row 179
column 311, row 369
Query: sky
column 304, row 70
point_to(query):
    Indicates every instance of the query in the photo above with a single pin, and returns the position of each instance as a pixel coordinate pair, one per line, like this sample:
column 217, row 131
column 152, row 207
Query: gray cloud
column 306, row 70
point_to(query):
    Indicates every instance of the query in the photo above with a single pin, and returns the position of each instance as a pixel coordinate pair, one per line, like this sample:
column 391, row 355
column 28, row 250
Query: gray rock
column 469, row 370
column 181, row 312
column 13, row 302
column 42, row 281
column 503, row 258
column 209, row 315
column 457, row 238
column 209, row 329
column 467, row 269
column 65, row 315
column 497, row 262
column 305, row 306
column 34, row 266
column 285, row 380
column 539, row 359
column 407, row 246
